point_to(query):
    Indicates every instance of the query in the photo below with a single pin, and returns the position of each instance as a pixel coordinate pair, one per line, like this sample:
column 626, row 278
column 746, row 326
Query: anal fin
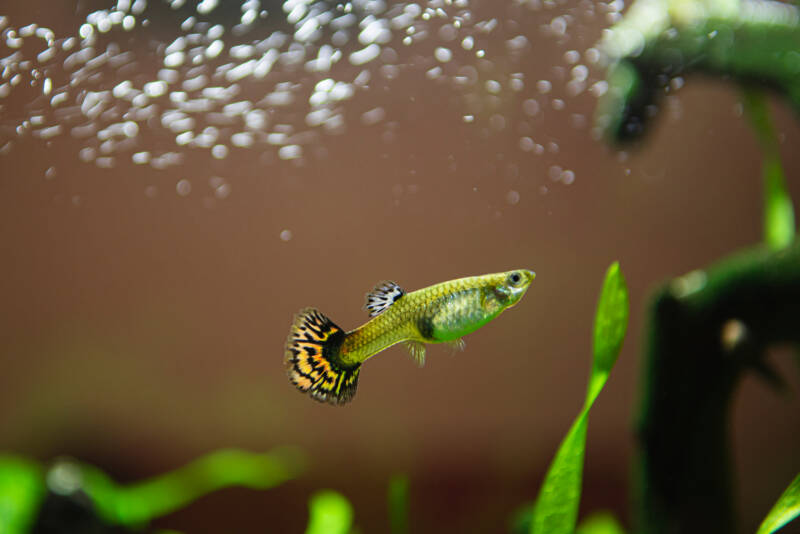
column 417, row 351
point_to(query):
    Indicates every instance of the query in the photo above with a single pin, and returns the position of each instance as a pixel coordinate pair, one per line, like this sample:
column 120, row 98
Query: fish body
column 325, row 361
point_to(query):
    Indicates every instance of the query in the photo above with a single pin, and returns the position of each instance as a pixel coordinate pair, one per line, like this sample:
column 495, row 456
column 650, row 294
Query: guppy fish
column 324, row 361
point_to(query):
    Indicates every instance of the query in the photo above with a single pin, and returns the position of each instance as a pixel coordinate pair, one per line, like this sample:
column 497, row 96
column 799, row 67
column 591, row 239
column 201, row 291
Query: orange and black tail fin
column 312, row 359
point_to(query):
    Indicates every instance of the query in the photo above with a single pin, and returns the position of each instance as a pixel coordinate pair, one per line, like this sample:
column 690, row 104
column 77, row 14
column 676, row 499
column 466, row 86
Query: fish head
column 508, row 287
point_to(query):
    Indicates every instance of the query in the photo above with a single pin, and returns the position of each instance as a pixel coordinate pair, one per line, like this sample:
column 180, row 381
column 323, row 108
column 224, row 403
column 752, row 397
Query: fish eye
column 514, row 278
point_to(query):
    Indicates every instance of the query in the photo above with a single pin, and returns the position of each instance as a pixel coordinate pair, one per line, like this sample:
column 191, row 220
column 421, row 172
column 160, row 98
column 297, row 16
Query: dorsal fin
column 381, row 297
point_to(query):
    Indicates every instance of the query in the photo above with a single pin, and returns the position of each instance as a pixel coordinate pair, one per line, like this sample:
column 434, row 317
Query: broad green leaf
column 785, row 510
column 398, row 504
column 556, row 508
column 779, row 226
column 600, row 523
column 329, row 513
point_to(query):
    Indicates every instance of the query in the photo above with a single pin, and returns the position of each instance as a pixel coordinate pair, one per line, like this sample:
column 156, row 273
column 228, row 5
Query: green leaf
column 600, row 523
column 779, row 226
column 398, row 504
column 610, row 325
column 778, row 210
column 556, row 508
column 22, row 489
column 139, row 503
column 785, row 510
column 329, row 513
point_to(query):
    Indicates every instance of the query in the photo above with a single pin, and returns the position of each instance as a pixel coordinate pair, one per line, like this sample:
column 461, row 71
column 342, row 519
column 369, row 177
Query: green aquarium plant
column 556, row 508
column 329, row 513
column 29, row 493
column 709, row 327
column 753, row 42
column 785, row 510
column 398, row 504
column 22, row 491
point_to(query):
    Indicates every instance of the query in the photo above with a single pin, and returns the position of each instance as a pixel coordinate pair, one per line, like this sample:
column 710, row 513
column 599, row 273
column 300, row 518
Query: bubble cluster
column 218, row 85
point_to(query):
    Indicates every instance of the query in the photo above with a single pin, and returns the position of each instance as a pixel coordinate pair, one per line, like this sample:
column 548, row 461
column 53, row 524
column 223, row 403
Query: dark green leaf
column 398, row 504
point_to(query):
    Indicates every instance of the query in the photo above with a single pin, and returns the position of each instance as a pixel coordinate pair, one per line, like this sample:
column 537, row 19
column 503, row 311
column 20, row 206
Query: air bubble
column 183, row 187
column 598, row 89
column 571, row 56
column 290, row 152
column 365, row 55
column 219, row 151
column 174, row 59
column 155, row 89
column 544, row 86
column 373, row 116
column 580, row 72
column 526, row 144
column 86, row 31
column 206, row 6
column 443, row 54
column 493, row 86
column 530, row 107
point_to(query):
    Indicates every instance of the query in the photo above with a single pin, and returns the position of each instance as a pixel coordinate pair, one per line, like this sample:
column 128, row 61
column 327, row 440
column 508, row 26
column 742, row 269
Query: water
column 179, row 178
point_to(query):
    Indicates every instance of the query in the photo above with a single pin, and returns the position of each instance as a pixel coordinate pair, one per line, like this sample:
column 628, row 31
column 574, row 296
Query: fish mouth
column 529, row 276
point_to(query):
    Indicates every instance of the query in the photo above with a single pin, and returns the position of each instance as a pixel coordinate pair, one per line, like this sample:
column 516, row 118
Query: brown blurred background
column 143, row 325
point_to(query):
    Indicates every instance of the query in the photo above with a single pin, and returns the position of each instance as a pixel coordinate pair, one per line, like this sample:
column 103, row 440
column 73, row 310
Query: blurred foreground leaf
column 786, row 509
column 398, row 504
column 600, row 523
column 21, row 491
column 329, row 513
column 556, row 509
column 139, row 503
column 778, row 210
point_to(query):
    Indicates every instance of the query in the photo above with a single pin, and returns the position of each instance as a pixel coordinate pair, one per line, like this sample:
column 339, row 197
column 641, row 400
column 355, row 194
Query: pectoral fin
column 457, row 344
column 417, row 351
